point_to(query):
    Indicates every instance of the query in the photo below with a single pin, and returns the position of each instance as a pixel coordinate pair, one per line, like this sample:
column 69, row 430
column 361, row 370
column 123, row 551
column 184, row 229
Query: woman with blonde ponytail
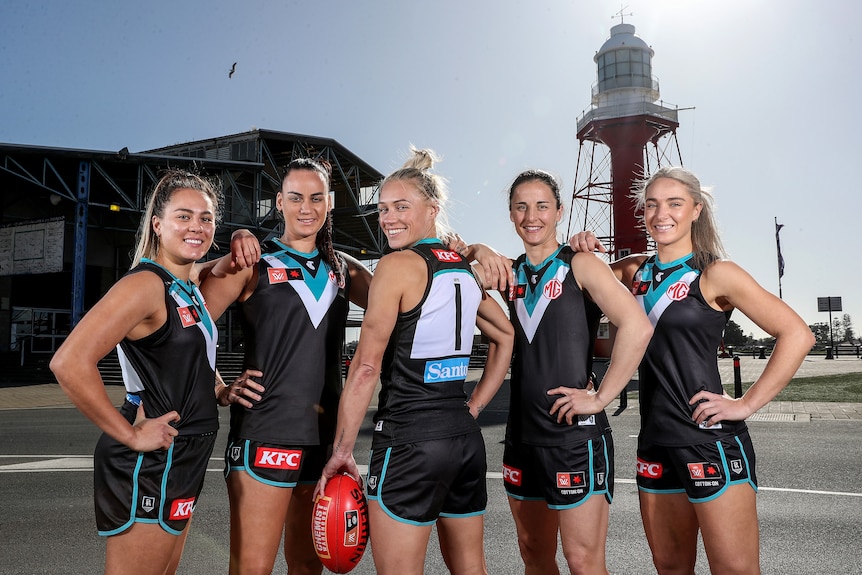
column 428, row 458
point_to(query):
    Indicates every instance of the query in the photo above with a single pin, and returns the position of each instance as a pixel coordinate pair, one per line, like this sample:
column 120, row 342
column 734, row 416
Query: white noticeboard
column 34, row 247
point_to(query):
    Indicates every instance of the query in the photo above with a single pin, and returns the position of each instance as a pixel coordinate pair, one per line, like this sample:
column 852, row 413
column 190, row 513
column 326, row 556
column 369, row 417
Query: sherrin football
column 339, row 524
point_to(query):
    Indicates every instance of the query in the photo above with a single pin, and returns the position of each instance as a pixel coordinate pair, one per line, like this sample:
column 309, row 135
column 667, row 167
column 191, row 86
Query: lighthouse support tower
column 626, row 134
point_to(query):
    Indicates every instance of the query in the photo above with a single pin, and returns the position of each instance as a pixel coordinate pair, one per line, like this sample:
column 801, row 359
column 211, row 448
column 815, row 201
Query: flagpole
column 780, row 257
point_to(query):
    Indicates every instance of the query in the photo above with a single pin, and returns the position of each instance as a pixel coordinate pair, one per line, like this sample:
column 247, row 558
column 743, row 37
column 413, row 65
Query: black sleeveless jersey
column 173, row 369
column 555, row 329
column 425, row 364
column 682, row 355
column 293, row 325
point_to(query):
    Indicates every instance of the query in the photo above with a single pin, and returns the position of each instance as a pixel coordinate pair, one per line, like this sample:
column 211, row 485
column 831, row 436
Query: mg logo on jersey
column 447, row 255
column 703, row 471
column 182, row 508
column 511, row 475
column 649, row 470
column 273, row 458
column 446, row 369
column 188, row 316
column 553, row 289
column 678, row 291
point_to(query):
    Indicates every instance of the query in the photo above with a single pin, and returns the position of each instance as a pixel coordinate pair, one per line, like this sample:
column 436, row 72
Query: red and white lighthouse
column 625, row 134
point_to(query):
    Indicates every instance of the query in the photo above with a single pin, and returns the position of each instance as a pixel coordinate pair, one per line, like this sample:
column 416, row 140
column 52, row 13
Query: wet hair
column 706, row 243
column 537, row 176
column 323, row 241
column 171, row 180
column 417, row 171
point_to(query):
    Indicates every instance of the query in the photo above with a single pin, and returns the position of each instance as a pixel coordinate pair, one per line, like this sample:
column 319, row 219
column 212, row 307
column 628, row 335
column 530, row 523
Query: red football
column 339, row 524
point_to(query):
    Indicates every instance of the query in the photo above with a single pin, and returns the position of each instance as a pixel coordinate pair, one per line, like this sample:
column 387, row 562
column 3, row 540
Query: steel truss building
column 100, row 196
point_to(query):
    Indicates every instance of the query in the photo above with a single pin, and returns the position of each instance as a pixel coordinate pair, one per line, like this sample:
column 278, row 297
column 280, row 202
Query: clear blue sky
column 495, row 86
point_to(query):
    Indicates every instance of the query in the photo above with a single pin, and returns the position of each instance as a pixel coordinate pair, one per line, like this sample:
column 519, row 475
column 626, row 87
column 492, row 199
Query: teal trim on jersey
column 316, row 282
column 189, row 293
column 651, row 297
column 430, row 241
column 134, row 505
column 532, row 297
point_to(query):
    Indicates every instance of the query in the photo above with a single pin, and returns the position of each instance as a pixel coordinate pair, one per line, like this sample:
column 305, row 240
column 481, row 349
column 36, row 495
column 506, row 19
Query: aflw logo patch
column 281, row 275
column 188, row 316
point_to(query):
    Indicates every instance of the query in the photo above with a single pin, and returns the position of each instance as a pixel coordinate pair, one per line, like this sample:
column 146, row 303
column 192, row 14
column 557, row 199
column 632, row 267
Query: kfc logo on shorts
column 553, row 289
column 182, row 508
column 568, row 479
column 447, row 255
column 678, row 291
column 649, row 469
column 188, row 316
column 511, row 475
column 703, row 471
column 273, row 458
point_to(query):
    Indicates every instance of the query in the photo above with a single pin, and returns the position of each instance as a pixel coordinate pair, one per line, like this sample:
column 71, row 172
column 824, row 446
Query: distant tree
column 821, row 333
column 733, row 334
column 847, row 325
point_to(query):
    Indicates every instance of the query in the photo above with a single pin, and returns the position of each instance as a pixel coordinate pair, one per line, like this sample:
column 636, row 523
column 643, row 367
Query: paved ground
column 50, row 395
column 809, row 501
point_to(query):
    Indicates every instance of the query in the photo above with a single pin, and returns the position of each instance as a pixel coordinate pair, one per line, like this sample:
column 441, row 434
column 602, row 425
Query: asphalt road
column 810, row 502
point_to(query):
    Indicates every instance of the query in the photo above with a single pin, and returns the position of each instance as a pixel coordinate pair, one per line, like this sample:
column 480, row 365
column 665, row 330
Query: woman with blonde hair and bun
column 428, row 457
column 695, row 460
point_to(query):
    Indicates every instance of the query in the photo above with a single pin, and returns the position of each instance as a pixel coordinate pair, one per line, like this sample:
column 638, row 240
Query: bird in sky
column 232, row 70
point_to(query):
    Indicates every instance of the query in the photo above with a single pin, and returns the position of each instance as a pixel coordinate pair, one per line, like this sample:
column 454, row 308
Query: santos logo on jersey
column 446, row 369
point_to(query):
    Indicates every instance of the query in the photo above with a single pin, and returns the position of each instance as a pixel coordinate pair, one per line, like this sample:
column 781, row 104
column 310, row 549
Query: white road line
column 58, row 463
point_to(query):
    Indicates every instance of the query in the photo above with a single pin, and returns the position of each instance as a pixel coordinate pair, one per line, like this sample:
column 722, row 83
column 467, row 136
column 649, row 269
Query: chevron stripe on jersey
column 316, row 287
column 656, row 286
column 544, row 283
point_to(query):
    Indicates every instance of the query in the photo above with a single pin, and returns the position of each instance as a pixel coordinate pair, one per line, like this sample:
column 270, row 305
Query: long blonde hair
column 147, row 242
column 705, row 241
column 417, row 169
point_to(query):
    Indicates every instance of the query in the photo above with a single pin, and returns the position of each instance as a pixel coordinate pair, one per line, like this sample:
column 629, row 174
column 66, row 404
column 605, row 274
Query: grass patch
column 844, row 388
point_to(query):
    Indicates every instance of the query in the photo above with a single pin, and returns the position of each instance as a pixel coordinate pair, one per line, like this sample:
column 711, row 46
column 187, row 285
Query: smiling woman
column 150, row 462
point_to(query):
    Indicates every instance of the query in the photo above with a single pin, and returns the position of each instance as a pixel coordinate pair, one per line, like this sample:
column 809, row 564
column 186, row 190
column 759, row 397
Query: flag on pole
column 778, row 247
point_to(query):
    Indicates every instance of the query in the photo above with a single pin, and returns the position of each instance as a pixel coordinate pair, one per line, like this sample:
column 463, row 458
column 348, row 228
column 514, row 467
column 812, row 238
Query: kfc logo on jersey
column 553, row 289
column 447, row 256
column 188, row 316
column 273, row 458
column 703, row 471
column 640, row 288
column 569, row 479
column 182, row 508
column 511, row 475
column 649, row 470
column 678, row 291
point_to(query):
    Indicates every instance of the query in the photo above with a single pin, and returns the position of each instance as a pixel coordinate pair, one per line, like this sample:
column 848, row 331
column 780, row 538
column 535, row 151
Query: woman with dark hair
column 558, row 461
column 150, row 462
column 428, row 458
column 695, row 460
column 293, row 304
